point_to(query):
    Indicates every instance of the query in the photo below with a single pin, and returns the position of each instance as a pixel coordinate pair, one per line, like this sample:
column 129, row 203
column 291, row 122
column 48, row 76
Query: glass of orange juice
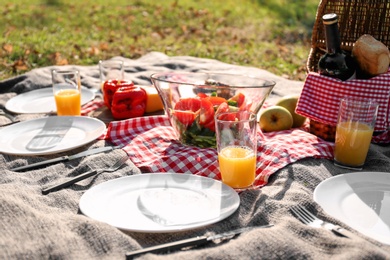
column 355, row 126
column 67, row 92
column 236, row 134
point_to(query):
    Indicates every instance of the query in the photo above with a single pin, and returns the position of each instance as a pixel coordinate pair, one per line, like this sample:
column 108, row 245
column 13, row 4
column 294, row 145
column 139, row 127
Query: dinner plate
column 49, row 135
column 41, row 101
column 360, row 200
column 160, row 202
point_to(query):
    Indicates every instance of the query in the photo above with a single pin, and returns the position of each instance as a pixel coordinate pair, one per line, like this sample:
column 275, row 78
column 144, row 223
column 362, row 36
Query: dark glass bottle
column 335, row 63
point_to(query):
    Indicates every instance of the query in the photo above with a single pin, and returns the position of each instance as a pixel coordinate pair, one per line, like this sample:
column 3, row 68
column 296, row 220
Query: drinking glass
column 355, row 126
column 67, row 92
column 236, row 135
column 110, row 69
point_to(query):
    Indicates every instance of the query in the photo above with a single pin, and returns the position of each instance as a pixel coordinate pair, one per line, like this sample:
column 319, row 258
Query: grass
column 268, row 34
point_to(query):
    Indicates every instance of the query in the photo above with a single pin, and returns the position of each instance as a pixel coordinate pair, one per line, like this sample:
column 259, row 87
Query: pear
column 290, row 103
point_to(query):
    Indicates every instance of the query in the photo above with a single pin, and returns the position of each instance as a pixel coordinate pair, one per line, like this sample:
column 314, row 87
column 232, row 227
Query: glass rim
column 159, row 77
column 253, row 116
column 365, row 101
column 111, row 61
column 68, row 71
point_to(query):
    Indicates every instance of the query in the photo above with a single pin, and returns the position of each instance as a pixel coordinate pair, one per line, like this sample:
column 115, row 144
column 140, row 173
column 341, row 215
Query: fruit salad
column 193, row 117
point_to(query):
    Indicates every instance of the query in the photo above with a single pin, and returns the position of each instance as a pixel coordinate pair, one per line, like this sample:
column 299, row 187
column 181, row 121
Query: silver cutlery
column 195, row 241
column 310, row 219
column 66, row 158
column 10, row 117
column 85, row 175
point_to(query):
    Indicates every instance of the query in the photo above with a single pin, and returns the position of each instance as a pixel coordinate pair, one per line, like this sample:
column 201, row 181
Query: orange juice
column 68, row 102
column 352, row 143
column 238, row 166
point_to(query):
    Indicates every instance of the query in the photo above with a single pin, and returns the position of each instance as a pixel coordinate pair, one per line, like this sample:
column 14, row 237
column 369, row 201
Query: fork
column 85, row 175
column 10, row 117
column 310, row 219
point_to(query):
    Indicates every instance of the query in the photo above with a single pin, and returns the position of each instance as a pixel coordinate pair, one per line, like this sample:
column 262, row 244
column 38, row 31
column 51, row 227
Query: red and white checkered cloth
column 91, row 106
column 321, row 96
column 152, row 145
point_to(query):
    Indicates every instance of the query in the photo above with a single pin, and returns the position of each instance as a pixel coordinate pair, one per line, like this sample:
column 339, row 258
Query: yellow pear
column 290, row 103
column 275, row 118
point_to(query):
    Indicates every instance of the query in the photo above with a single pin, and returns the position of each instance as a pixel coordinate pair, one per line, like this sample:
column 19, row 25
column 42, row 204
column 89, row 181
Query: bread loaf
column 372, row 56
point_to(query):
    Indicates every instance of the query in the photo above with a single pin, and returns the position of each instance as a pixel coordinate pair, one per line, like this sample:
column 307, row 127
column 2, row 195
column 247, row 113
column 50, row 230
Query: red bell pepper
column 111, row 86
column 128, row 102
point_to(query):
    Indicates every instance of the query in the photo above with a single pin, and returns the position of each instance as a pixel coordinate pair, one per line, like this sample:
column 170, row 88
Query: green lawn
column 268, row 34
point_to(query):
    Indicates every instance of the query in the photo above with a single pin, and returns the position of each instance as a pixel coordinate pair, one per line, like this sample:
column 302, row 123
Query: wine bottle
column 335, row 63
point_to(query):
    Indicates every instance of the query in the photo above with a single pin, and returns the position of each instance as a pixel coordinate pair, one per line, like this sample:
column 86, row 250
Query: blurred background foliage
column 268, row 34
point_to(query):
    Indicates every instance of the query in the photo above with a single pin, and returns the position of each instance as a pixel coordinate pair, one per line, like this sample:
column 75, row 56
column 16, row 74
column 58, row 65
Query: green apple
column 275, row 118
column 290, row 103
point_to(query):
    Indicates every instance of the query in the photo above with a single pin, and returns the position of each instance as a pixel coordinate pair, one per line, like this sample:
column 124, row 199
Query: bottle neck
column 332, row 37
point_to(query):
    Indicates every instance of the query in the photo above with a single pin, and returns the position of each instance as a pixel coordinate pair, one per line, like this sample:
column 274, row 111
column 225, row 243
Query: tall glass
column 236, row 134
column 110, row 69
column 355, row 126
column 67, row 92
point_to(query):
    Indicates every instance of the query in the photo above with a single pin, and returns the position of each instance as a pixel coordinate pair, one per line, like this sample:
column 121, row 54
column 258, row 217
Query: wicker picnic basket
column 356, row 18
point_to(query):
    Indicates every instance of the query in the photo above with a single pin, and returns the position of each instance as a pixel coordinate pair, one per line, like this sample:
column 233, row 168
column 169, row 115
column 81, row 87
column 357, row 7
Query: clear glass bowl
column 191, row 100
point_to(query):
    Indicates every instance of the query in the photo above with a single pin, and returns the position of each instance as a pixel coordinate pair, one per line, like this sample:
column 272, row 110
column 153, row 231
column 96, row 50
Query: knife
column 195, row 241
column 66, row 158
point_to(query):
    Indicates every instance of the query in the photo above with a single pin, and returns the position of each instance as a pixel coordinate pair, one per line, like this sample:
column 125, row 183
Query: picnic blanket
column 35, row 226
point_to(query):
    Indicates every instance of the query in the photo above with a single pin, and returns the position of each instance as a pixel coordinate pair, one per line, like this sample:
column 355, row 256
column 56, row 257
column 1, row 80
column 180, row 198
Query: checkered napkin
column 152, row 145
column 320, row 98
column 91, row 106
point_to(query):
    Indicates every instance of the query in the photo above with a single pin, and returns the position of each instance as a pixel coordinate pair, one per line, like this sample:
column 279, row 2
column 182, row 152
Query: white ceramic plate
column 360, row 200
column 41, row 101
column 160, row 202
column 49, row 135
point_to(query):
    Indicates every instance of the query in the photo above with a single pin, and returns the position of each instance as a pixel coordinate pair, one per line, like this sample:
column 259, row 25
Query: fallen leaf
column 283, row 49
column 20, row 65
column 62, row 62
column 59, row 60
column 184, row 28
column 104, row 46
column 93, row 50
column 7, row 47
